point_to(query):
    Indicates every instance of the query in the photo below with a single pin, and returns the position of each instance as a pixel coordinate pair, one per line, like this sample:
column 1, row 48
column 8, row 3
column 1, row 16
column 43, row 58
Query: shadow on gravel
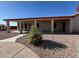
column 46, row 44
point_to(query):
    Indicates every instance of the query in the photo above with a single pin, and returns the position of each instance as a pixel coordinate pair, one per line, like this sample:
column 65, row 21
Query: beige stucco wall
column 43, row 25
column 74, row 24
column 46, row 26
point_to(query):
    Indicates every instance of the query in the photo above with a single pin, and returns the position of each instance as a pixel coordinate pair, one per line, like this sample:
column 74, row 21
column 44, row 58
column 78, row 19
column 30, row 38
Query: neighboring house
column 58, row 24
column 2, row 27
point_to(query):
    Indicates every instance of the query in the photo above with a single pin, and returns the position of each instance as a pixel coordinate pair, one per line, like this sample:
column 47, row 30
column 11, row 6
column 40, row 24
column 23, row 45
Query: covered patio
column 44, row 24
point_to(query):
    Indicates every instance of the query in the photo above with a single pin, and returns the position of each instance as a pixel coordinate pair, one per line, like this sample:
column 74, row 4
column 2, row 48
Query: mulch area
column 5, row 35
column 53, row 46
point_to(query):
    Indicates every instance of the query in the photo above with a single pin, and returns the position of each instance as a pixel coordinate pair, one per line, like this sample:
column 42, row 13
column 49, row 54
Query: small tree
column 34, row 36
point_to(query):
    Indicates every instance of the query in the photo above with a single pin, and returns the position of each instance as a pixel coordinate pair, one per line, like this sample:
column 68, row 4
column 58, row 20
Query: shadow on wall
column 46, row 44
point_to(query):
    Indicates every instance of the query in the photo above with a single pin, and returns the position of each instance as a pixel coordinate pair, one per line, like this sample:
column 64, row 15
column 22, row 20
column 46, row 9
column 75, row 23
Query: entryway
column 61, row 26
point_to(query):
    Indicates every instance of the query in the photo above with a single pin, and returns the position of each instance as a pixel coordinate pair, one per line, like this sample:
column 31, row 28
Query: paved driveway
column 15, row 50
column 10, row 49
column 5, row 35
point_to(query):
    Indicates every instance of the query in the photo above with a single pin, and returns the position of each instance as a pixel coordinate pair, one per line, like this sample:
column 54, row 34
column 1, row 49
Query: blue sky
column 22, row 9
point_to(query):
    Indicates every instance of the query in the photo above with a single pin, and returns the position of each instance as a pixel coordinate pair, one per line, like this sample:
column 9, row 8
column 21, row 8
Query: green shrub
column 34, row 36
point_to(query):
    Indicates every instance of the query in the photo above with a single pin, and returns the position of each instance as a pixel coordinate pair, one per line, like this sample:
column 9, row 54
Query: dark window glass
column 63, row 26
column 55, row 25
column 37, row 25
column 25, row 26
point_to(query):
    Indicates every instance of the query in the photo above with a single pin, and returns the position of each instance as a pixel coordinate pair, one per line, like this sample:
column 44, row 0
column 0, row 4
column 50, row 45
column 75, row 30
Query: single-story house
column 58, row 24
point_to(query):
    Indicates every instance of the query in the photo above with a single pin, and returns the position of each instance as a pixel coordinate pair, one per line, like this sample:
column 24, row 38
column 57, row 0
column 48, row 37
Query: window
column 37, row 25
column 63, row 26
column 55, row 25
column 25, row 26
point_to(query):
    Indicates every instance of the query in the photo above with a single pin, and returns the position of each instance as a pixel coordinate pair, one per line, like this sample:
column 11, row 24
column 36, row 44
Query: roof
column 39, row 18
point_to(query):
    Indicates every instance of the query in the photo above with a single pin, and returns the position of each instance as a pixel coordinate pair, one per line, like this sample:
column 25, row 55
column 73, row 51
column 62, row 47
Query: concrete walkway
column 12, row 39
column 77, row 46
column 10, row 49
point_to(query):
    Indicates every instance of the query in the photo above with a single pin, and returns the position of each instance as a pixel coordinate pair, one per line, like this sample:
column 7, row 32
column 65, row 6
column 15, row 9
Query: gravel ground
column 54, row 46
column 5, row 35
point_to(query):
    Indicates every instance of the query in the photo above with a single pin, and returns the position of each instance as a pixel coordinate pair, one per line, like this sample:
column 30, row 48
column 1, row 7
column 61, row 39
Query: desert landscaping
column 53, row 46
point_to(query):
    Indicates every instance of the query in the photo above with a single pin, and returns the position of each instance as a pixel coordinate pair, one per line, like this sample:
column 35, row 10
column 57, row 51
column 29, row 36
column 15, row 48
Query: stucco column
column 17, row 25
column 8, row 26
column 35, row 22
column 27, row 26
column 71, row 26
column 20, row 27
column 52, row 25
column 23, row 25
